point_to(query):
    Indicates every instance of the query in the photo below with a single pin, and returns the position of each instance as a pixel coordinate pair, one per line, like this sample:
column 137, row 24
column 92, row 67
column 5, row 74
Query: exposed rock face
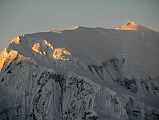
column 78, row 74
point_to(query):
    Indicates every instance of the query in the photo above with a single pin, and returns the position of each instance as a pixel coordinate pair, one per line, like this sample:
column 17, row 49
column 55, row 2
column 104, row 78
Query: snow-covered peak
column 131, row 25
column 86, row 73
column 82, row 44
column 72, row 27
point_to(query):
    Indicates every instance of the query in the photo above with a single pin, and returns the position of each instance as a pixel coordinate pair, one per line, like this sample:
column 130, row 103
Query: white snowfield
column 81, row 74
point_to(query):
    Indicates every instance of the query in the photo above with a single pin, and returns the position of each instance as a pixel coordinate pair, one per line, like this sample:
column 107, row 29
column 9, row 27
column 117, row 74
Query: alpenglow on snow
column 81, row 73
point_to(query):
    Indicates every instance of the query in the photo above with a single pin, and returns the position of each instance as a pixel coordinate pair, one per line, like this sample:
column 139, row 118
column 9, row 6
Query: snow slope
column 81, row 73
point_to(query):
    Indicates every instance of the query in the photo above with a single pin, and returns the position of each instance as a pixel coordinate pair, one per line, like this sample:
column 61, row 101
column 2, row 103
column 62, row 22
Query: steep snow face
column 29, row 91
column 6, row 57
column 81, row 73
column 3, row 57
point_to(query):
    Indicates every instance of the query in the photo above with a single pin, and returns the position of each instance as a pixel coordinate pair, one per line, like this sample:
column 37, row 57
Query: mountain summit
column 131, row 25
column 81, row 73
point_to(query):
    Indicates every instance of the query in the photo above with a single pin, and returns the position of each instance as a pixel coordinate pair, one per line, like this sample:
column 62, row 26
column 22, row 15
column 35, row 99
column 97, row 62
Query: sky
column 18, row 17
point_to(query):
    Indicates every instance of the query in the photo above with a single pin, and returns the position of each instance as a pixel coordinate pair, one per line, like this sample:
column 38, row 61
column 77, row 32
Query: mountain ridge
column 81, row 73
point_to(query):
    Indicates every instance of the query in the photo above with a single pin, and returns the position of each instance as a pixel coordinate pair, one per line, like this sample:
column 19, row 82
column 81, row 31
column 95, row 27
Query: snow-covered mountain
column 81, row 74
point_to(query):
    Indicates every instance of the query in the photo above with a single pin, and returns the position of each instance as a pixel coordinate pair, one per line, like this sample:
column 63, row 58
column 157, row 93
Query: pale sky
column 18, row 17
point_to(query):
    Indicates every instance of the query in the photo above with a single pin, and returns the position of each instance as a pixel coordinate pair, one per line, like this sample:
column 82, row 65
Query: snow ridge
column 81, row 74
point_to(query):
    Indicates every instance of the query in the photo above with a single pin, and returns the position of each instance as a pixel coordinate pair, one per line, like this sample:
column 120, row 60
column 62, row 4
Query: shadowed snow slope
column 81, row 74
